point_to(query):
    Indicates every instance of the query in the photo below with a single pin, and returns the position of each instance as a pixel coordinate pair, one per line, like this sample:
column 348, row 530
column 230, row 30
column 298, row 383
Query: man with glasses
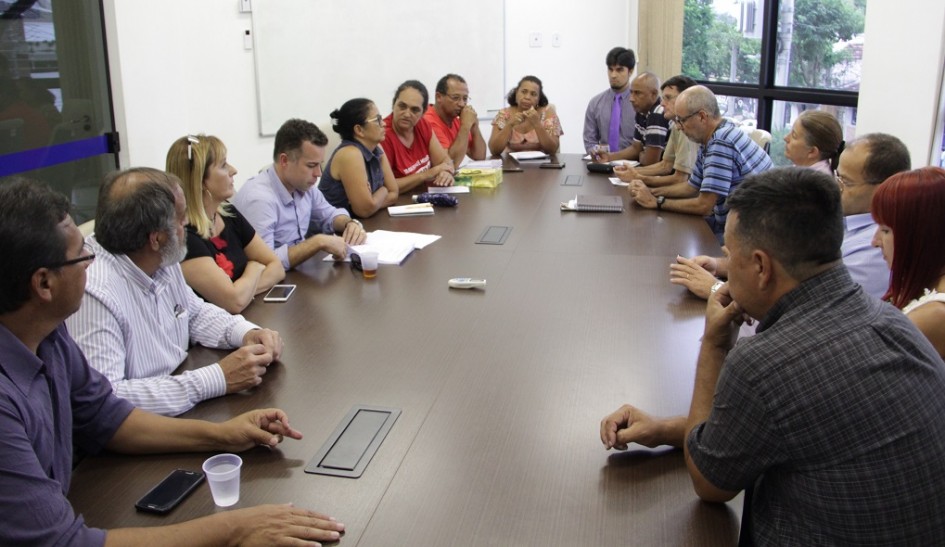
column 139, row 317
column 454, row 121
column 830, row 418
column 726, row 157
column 286, row 208
column 50, row 401
column 864, row 164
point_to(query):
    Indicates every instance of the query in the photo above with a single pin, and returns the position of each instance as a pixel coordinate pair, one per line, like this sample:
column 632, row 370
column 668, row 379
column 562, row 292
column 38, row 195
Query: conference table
column 502, row 390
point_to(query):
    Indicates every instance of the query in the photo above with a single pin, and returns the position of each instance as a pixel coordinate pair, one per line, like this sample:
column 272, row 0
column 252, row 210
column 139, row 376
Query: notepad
column 594, row 204
column 416, row 209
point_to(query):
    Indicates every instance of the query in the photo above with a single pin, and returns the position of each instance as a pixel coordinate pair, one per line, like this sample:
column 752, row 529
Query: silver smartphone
column 279, row 293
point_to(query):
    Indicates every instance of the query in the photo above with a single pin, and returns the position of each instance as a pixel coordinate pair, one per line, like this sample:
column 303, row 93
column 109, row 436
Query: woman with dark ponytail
column 358, row 176
column 815, row 141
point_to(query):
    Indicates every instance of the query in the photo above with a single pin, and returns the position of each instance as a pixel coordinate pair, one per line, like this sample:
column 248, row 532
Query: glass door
column 56, row 121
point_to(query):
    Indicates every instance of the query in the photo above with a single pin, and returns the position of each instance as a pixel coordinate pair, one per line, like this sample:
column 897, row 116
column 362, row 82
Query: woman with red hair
column 909, row 209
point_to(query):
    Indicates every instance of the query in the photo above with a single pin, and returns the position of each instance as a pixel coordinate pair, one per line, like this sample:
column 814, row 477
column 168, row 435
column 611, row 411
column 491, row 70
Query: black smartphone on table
column 170, row 491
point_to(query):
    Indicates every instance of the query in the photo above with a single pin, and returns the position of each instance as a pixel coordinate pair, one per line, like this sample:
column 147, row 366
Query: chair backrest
column 87, row 228
column 762, row 138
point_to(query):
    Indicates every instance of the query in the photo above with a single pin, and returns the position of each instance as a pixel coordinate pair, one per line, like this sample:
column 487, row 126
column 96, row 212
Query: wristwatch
column 660, row 200
column 358, row 222
column 715, row 287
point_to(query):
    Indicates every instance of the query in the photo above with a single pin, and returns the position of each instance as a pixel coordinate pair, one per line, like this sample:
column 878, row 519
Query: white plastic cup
column 369, row 263
column 223, row 474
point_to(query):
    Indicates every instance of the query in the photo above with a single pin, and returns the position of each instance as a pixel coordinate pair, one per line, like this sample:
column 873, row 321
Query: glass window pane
column 820, row 44
column 785, row 113
column 722, row 40
column 54, row 97
column 741, row 110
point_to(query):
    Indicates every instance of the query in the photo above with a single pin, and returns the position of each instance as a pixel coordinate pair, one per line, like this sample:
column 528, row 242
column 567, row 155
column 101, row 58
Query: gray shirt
column 833, row 416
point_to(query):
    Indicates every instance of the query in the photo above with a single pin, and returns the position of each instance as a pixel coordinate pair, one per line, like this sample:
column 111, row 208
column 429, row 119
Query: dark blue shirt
column 334, row 190
column 47, row 401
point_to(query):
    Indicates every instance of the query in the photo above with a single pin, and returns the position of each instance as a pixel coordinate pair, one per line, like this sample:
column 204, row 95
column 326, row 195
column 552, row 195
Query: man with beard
column 139, row 316
column 610, row 119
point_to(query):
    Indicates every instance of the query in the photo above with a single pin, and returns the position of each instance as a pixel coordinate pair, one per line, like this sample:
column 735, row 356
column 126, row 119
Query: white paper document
column 529, row 155
column 617, row 182
column 392, row 247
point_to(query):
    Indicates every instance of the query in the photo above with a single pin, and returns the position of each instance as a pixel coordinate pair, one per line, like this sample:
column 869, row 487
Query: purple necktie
column 613, row 137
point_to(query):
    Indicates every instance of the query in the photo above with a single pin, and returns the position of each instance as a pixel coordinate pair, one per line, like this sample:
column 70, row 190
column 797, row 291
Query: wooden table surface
column 502, row 390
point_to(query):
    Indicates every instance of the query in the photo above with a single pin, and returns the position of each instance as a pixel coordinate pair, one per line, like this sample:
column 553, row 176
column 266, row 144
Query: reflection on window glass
column 741, row 110
column 722, row 40
column 786, row 114
column 54, row 97
column 820, row 44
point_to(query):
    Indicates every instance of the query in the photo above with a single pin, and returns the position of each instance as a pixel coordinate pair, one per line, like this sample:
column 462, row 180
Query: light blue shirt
column 865, row 262
column 281, row 218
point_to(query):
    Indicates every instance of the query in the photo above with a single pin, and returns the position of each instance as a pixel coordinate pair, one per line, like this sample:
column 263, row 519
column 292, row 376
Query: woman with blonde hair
column 227, row 263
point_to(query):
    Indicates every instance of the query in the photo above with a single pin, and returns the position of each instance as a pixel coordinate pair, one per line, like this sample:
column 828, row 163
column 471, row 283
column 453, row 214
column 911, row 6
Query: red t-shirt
column 407, row 161
column 446, row 134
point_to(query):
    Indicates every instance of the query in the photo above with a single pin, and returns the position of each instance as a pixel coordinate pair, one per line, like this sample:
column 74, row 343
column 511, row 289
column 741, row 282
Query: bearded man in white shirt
column 138, row 316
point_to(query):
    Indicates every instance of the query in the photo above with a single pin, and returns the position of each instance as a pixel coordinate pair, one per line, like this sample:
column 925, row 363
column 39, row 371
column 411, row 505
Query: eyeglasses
column 845, row 182
column 88, row 257
column 680, row 121
column 378, row 120
column 458, row 98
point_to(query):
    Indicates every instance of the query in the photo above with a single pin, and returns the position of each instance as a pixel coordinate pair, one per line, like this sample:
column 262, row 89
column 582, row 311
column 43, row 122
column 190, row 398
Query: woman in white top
column 815, row 141
column 909, row 209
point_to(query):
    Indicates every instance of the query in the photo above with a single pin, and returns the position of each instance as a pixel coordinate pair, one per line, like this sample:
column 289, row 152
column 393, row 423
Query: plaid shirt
column 835, row 414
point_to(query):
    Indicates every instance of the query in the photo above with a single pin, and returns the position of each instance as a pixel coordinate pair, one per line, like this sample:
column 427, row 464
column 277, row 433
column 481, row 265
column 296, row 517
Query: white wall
column 179, row 67
column 575, row 71
column 903, row 59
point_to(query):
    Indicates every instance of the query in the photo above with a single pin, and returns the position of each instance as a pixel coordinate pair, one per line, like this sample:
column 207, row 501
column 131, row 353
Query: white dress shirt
column 136, row 329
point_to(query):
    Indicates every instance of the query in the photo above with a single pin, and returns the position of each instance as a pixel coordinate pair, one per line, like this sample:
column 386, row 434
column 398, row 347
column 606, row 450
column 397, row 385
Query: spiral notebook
column 604, row 204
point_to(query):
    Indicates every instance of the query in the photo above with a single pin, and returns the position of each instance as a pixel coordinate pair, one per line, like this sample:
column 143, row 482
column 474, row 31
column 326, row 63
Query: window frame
column 765, row 91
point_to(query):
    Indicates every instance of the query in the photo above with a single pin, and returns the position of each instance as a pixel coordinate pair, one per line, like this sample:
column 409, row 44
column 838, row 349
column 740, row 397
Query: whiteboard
column 313, row 55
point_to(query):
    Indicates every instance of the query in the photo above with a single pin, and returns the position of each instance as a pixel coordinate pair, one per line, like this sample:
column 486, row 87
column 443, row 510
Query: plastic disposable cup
column 223, row 474
column 369, row 264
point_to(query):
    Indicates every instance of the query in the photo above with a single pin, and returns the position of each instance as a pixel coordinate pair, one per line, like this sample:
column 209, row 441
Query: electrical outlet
column 556, row 39
column 534, row 39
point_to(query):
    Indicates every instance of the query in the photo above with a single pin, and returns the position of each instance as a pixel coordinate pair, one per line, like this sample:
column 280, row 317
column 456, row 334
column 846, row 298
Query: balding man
column 52, row 401
column 652, row 128
column 864, row 164
column 454, row 121
column 726, row 157
column 139, row 316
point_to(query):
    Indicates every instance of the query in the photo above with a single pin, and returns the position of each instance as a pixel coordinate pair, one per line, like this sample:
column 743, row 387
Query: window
column 778, row 57
column 55, row 106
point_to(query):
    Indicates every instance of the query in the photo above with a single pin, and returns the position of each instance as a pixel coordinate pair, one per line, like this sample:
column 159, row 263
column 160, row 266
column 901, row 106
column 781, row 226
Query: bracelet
column 715, row 287
column 358, row 222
